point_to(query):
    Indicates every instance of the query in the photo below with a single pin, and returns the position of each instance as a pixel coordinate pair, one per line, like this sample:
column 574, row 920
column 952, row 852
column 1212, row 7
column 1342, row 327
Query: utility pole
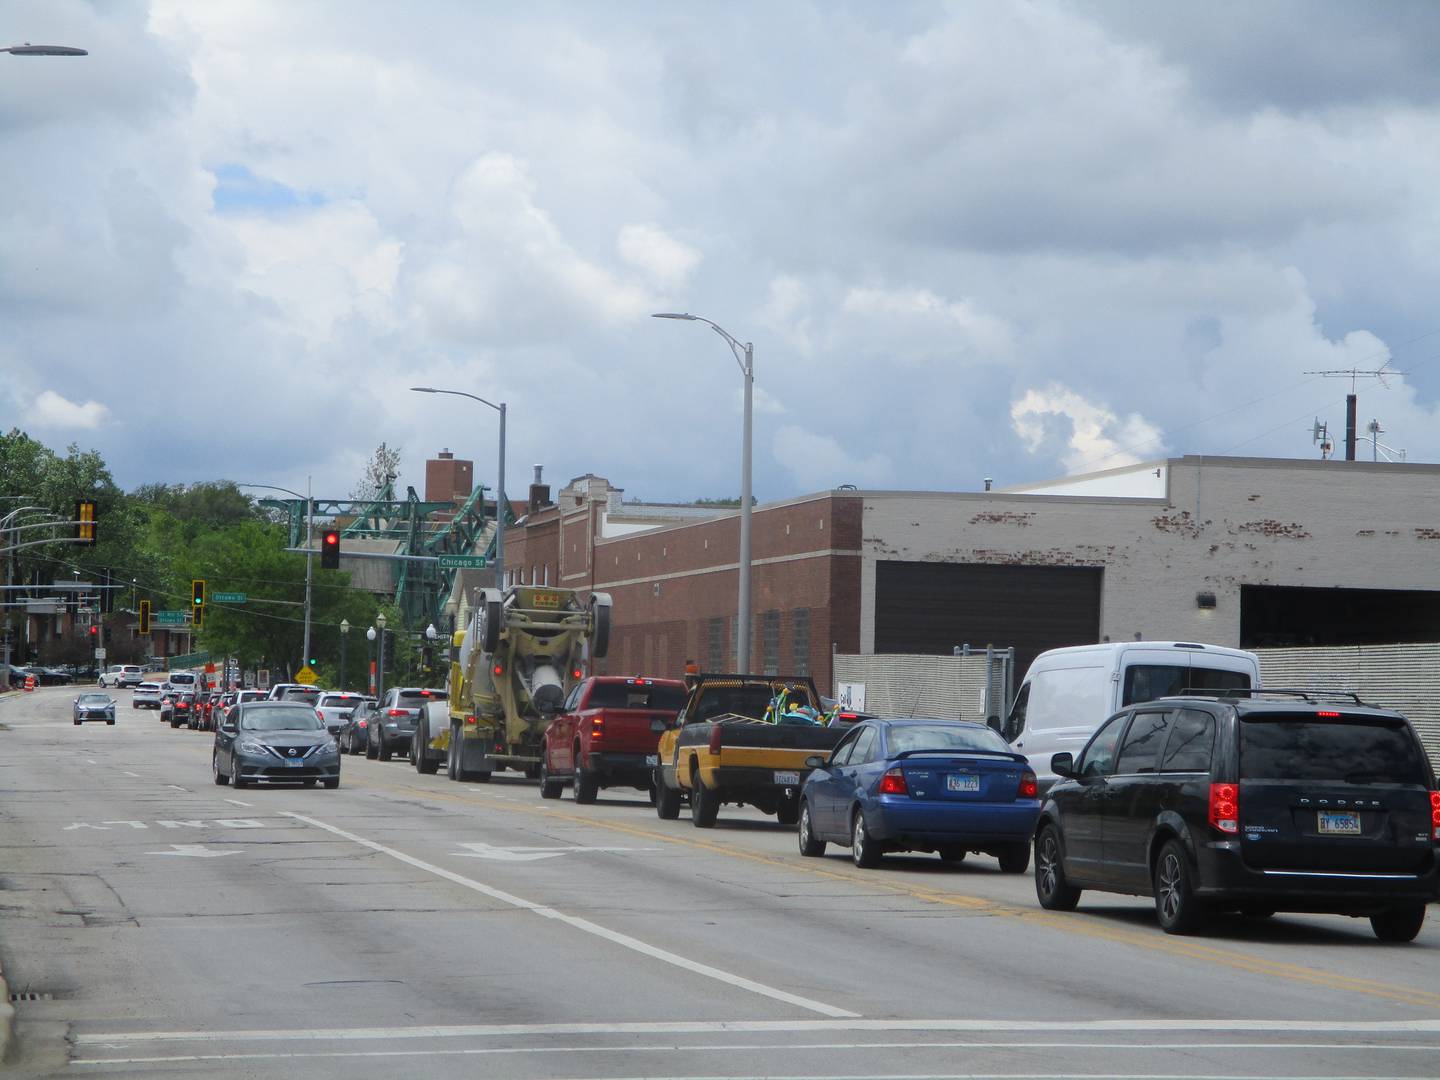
column 1353, row 374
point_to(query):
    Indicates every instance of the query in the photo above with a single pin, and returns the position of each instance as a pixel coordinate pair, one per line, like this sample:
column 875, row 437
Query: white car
column 147, row 696
column 335, row 708
column 123, row 675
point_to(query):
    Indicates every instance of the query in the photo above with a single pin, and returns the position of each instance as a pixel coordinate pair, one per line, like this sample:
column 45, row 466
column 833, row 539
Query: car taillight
column 362, row 723
column 1435, row 814
column 597, row 726
column 1225, row 807
column 399, row 712
column 320, row 716
column 717, row 735
column 893, row 783
column 1029, row 789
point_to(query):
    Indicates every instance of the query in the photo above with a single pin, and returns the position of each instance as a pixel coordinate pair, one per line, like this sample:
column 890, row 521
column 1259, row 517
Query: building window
column 770, row 632
column 800, row 642
column 716, row 643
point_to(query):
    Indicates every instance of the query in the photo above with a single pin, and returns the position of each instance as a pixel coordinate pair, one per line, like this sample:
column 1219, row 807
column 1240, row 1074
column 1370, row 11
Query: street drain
column 30, row 995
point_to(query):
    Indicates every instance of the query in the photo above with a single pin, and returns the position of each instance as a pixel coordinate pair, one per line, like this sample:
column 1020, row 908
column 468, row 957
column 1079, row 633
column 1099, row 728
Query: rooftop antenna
column 1320, row 433
column 1353, row 374
column 1377, row 448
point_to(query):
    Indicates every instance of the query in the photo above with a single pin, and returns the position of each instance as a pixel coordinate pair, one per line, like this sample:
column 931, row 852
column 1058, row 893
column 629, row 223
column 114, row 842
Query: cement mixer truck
column 511, row 669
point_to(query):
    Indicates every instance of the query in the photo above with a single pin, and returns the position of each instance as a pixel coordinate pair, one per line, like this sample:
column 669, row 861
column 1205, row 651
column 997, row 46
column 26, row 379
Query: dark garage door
column 1292, row 615
column 929, row 608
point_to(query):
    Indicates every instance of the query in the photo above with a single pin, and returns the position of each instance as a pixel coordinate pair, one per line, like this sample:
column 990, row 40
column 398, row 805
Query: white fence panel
column 900, row 684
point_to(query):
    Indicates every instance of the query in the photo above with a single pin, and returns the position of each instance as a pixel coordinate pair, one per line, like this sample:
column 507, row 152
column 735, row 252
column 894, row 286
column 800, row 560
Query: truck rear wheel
column 426, row 764
column 587, row 784
column 704, row 803
column 490, row 615
column 667, row 799
column 452, row 755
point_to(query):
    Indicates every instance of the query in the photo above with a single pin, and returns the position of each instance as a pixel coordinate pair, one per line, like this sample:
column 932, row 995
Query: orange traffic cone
column 29, row 683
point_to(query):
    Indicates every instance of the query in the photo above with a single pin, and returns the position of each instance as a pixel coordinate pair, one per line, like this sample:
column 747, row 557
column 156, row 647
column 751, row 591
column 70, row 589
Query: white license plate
column 1339, row 823
column 791, row 778
column 294, row 763
column 962, row 782
column 652, row 759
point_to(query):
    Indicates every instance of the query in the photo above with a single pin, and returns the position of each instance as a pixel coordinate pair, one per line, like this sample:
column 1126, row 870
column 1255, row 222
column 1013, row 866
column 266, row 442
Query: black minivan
column 1256, row 801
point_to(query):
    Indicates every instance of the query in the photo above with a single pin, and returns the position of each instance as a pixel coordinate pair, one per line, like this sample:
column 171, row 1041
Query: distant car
column 1253, row 801
column 334, row 708
column 206, row 710
column 279, row 691
column 122, row 675
column 948, row 786
column 46, row 676
column 274, row 742
column 146, row 696
column 354, row 735
column 182, row 681
column 399, row 713
column 94, row 706
column 182, row 709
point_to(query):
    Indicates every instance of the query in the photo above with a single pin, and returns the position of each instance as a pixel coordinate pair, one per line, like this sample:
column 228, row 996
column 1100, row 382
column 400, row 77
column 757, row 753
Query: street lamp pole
column 380, row 685
column 344, row 636
column 745, row 357
column 500, row 503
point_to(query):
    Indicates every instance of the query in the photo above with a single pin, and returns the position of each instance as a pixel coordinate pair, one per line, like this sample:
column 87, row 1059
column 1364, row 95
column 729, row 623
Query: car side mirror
column 817, row 761
column 1062, row 764
column 993, row 723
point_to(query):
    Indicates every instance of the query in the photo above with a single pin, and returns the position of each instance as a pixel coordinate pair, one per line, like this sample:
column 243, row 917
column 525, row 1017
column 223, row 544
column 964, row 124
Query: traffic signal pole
column 309, row 569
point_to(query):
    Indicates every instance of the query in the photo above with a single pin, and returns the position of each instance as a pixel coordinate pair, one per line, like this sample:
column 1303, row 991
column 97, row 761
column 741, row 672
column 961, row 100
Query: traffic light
column 85, row 521
column 312, row 662
column 330, row 550
column 198, row 595
column 94, row 632
column 197, row 617
column 144, row 617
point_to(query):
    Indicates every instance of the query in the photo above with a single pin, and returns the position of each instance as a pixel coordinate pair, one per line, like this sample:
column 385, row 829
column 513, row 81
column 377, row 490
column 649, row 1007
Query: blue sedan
column 948, row 786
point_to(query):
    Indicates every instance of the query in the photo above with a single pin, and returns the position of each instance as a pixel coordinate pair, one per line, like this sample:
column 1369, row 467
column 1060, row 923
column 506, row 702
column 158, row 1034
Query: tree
column 381, row 472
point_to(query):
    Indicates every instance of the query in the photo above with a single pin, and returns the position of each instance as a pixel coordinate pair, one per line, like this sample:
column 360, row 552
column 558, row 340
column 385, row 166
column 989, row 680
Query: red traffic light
column 94, row 630
column 330, row 550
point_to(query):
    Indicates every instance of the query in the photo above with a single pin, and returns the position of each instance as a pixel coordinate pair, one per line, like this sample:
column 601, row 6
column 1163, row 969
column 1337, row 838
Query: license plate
column 1339, row 823
column 294, row 763
column 962, row 782
column 652, row 759
column 791, row 778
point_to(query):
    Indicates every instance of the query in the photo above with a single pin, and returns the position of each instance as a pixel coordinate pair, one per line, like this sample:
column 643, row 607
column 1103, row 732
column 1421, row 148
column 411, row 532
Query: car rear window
column 1347, row 749
column 306, row 697
column 339, row 701
column 943, row 737
column 635, row 696
column 417, row 697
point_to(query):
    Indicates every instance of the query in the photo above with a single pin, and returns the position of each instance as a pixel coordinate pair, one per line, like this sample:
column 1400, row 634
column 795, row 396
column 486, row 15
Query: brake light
column 1225, row 807
column 1435, row 814
column 1328, row 714
column 1029, row 789
column 399, row 712
column 717, row 734
column 597, row 727
column 362, row 723
column 499, row 669
column 424, row 693
column 893, row 783
column 470, row 720
column 319, row 715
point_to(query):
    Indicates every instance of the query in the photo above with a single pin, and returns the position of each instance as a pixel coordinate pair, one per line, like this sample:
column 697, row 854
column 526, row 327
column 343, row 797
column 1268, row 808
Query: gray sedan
column 274, row 742
column 94, row 707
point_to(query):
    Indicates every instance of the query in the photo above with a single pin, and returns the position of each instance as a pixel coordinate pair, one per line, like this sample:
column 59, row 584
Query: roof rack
column 1313, row 697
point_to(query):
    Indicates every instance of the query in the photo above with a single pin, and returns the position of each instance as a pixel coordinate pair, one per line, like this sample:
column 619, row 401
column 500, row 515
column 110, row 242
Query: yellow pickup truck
column 728, row 745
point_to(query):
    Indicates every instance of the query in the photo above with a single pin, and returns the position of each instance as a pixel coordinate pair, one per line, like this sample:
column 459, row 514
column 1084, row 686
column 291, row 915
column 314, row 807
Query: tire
column 587, row 784
column 549, row 789
column 489, row 635
column 237, row 780
column 331, row 785
column 1400, row 923
column 77, row 723
column 426, row 763
column 788, row 812
column 370, row 749
column 1014, row 858
column 1051, row 888
column 385, row 751
column 952, row 854
column 1177, row 907
column 600, row 641
column 452, row 753
column 810, row 846
column 667, row 799
column 865, row 850
column 220, row 778
column 704, row 803
column 111, row 721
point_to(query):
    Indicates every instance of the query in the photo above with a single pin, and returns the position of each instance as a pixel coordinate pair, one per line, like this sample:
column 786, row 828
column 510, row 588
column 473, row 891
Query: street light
column 344, row 636
column 500, row 489
column 44, row 50
column 379, row 684
column 745, row 357
column 309, row 557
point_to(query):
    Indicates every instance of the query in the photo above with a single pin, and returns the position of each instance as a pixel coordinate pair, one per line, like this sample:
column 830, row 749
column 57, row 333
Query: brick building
column 1233, row 551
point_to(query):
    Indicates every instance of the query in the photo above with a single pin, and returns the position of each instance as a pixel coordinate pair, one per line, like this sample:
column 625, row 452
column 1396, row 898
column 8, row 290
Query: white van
column 1068, row 693
column 183, row 681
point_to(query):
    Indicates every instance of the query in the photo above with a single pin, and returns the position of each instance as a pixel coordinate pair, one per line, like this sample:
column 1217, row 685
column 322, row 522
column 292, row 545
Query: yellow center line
column 1071, row 924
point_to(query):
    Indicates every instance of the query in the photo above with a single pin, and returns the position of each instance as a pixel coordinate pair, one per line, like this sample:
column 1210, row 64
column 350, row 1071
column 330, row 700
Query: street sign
column 306, row 676
column 170, row 618
column 462, row 562
column 100, row 653
column 228, row 598
column 185, row 660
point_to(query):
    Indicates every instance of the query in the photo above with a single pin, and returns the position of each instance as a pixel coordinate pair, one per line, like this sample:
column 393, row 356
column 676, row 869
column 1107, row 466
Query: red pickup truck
column 607, row 735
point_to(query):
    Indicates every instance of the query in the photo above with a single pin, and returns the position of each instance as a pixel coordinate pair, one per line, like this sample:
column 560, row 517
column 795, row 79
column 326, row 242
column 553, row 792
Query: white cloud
column 664, row 260
column 818, row 461
column 1090, row 436
column 55, row 412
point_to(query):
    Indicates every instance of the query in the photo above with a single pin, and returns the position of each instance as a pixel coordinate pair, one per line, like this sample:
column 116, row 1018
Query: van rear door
column 1335, row 792
column 1148, row 674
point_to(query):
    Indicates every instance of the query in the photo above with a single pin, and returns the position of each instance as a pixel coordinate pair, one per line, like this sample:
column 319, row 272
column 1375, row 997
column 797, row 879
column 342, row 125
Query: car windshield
column 1349, row 749
column 94, row 699
column 635, row 696
column 943, row 737
column 284, row 719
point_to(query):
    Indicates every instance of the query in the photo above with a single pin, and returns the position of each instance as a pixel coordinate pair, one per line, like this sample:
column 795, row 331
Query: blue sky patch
column 238, row 190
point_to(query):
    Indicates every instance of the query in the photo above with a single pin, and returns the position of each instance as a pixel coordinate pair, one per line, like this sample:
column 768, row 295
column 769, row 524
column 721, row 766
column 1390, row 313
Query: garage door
column 932, row 607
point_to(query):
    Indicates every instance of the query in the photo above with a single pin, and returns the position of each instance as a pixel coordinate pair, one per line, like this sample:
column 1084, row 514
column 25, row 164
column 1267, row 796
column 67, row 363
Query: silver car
column 274, row 742
column 147, row 696
column 94, row 706
column 335, row 708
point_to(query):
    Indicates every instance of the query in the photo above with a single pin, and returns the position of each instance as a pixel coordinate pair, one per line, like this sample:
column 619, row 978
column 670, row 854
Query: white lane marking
column 707, row 1027
column 585, row 925
column 197, row 851
column 528, row 854
column 177, row 787
column 237, row 802
column 92, row 761
column 134, row 774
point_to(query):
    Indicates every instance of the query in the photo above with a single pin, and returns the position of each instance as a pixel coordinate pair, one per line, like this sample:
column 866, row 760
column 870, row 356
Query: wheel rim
column 805, row 826
column 857, row 840
column 1169, row 885
column 1048, row 864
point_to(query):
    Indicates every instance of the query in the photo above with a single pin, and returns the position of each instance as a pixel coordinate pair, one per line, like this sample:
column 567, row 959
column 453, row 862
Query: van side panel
column 1064, row 702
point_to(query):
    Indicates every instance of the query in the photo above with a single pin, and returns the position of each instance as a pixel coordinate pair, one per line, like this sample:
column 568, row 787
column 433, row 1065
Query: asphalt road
column 154, row 924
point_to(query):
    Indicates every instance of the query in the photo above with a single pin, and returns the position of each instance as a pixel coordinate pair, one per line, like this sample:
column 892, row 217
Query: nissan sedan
column 274, row 742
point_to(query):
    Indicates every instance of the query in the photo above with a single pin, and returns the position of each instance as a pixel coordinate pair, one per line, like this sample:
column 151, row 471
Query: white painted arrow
column 197, row 851
column 527, row 854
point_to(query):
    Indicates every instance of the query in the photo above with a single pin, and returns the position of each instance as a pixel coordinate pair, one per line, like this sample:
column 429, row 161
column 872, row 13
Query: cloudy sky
column 1015, row 240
